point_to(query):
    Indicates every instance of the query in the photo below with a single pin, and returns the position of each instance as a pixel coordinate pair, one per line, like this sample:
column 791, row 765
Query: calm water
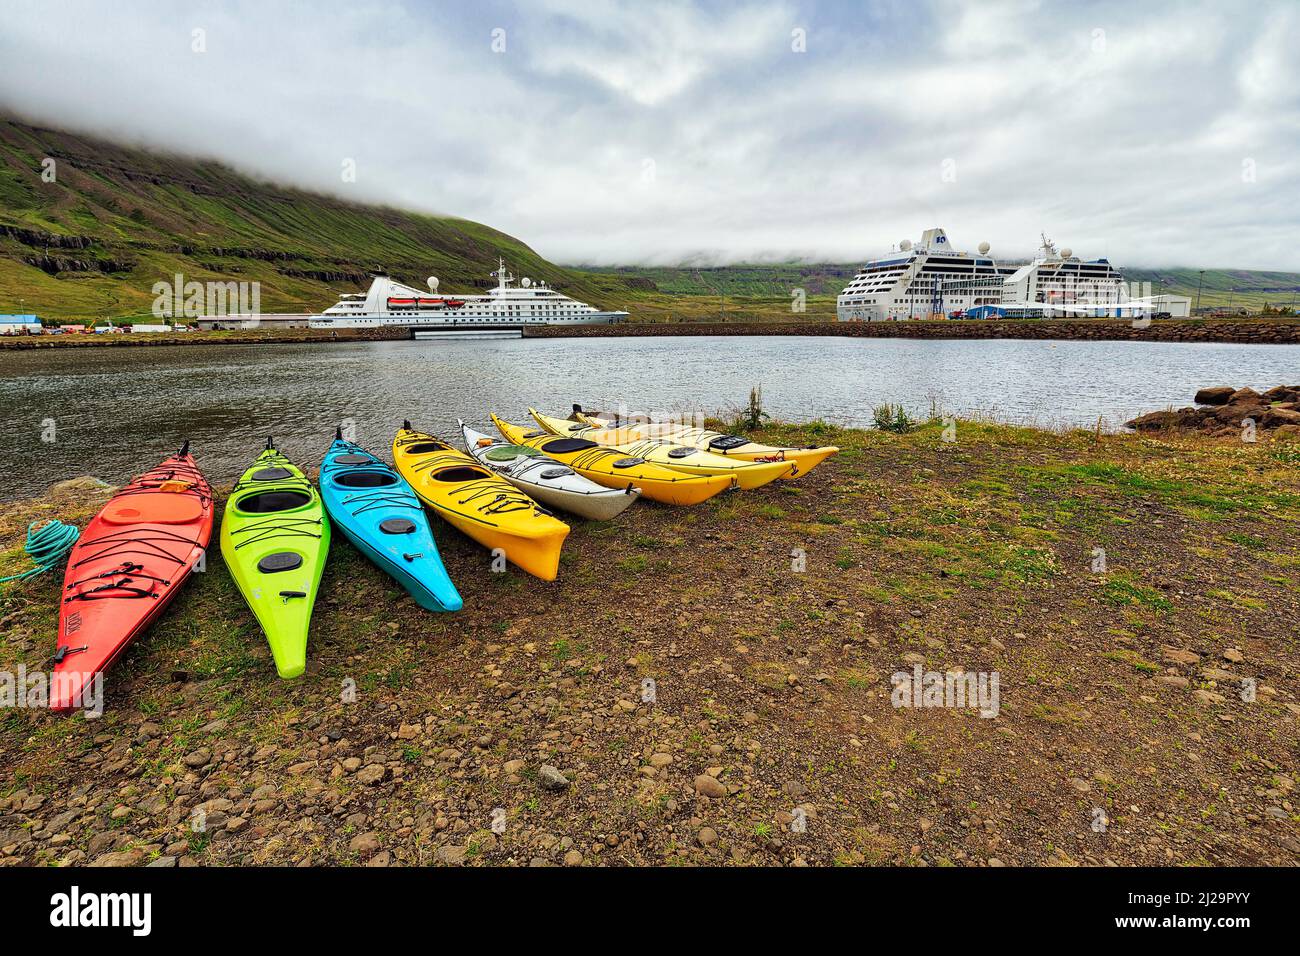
column 117, row 410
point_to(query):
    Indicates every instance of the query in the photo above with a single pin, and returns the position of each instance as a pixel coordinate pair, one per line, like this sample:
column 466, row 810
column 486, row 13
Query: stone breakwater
column 1243, row 331
column 1231, row 412
column 1261, row 332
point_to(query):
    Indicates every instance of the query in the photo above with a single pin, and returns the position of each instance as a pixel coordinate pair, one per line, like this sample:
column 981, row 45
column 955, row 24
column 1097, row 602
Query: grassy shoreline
column 1120, row 689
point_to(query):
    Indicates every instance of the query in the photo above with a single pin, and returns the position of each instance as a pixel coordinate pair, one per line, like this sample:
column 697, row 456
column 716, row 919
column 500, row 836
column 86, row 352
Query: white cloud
column 622, row 132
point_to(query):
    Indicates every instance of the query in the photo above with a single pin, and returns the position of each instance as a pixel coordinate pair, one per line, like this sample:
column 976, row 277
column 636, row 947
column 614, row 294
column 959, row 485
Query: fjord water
column 116, row 411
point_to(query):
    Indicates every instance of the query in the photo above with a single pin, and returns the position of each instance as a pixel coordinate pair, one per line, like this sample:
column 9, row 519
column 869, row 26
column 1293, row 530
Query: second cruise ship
column 931, row 279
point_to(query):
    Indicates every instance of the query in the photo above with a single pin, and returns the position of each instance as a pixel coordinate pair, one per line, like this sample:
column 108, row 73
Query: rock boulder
column 1216, row 395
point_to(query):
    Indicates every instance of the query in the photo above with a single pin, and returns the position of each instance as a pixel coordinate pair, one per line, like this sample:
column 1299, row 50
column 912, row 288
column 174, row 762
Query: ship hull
column 469, row 323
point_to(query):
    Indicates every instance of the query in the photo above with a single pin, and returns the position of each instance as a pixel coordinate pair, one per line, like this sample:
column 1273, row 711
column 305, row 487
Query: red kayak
column 129, row 562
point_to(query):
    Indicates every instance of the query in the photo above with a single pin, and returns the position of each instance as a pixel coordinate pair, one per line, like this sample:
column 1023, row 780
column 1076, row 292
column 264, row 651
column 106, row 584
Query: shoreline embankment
column 1240, row 331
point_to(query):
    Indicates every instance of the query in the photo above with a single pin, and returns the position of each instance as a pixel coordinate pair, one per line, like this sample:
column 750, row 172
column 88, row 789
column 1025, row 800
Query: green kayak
column 275, row 537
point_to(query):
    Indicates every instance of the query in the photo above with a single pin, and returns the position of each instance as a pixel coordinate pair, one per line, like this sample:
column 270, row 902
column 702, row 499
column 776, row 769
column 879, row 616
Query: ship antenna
column 503, row 277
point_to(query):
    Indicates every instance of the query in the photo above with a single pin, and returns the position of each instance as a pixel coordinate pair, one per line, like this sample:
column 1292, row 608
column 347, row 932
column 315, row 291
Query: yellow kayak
column 684, row 458
column 487, row 508
column 615, row 469
column 732, row 446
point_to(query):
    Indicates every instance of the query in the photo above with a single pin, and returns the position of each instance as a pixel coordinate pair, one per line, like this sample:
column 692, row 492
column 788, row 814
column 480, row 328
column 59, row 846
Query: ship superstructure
column 931, row 279
column 505, row 306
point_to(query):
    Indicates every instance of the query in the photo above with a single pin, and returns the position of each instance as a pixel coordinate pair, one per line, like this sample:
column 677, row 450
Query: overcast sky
column 1155, row 133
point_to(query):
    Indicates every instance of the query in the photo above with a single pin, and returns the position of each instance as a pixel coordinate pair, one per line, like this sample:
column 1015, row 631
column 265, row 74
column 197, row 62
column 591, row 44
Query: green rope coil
column 47, row 547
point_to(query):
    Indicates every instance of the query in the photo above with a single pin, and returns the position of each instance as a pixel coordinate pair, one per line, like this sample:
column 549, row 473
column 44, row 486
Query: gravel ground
column 713, row 685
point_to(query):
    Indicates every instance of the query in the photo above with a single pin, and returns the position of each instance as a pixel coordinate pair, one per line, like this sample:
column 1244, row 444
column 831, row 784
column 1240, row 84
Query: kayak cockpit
column 365, row 479
column 272, row 502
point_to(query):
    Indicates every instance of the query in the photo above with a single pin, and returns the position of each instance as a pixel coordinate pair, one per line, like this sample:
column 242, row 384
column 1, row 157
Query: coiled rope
column 47, row 547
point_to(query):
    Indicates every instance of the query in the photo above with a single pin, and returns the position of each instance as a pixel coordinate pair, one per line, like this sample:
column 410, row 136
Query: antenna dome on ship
column 984, row 248
column 905, row 245
column 525, row 282
column 1067, row 252
column 433, row 283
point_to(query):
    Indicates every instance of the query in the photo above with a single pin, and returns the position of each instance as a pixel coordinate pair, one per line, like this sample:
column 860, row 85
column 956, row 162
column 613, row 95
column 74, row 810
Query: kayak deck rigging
column 502, row 502
column 274, row 527
column 129, row 571
column 373, row 499
column 120, row 543
column 275, row 524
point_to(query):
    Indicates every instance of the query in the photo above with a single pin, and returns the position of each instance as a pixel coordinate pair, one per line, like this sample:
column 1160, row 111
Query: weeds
column 893, row 418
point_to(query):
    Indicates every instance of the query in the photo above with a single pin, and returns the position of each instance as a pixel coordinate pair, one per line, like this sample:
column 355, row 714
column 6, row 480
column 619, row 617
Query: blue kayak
column 374, row 506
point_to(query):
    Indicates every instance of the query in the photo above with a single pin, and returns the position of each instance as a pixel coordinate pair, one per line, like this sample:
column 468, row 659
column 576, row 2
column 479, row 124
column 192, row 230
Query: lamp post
column 1199, row 278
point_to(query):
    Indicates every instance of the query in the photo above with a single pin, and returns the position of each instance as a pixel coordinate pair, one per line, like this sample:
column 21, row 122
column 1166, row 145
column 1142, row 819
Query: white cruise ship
column 930, row 279
column 505, row 307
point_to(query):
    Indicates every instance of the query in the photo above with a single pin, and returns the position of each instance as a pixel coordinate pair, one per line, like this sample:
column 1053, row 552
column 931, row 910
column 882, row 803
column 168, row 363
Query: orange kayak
column 128, row 564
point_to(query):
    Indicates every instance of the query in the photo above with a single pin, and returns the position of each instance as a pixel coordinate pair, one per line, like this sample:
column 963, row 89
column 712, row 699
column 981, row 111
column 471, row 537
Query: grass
column 976, row 554
column 1122, row 592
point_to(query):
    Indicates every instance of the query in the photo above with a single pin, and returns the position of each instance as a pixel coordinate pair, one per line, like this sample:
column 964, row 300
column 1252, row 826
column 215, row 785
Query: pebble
column 707, row 786
column 124, row 858
column 451, row 855
column 364, row 844
column 550, row 778
column 197, row 758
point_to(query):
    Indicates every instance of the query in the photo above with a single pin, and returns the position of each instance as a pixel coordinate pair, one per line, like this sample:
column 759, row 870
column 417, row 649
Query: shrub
column 893, row 418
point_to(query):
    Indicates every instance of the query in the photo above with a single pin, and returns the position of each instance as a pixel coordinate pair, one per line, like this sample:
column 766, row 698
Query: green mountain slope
column 115, row 220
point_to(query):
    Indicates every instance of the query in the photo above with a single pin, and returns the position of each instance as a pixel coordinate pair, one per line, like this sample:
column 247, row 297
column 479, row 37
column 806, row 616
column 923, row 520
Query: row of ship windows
column 972, row 280
column 927, row 270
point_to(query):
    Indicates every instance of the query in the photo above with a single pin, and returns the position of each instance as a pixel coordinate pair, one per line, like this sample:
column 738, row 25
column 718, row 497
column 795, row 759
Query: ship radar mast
column 503, row 277
column 1048, row 247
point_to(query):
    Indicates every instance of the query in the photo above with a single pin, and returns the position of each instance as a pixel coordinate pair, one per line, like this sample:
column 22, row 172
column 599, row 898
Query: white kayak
column 546, row 480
